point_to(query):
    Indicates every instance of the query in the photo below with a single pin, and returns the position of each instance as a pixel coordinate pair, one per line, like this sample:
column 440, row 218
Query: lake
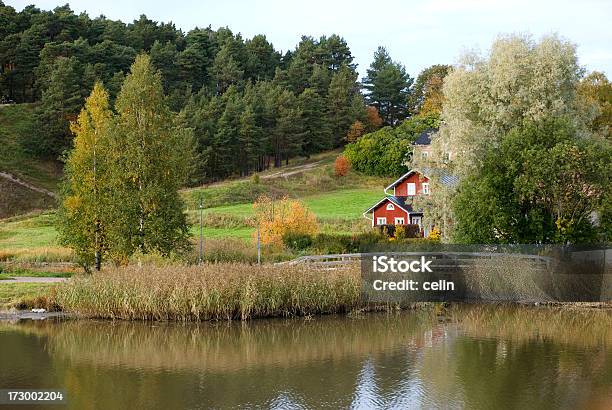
column 466, row 356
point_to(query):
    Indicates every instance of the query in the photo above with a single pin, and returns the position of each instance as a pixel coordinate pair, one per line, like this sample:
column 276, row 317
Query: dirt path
column 21, row 182
column 32, row 279
column 292, row 170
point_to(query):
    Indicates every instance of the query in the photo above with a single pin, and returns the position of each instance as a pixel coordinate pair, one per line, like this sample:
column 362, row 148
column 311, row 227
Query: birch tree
column 83, row 216
column 151, row 159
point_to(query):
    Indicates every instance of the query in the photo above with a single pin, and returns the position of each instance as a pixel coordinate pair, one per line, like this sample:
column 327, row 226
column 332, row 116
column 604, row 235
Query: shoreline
column 19, row 315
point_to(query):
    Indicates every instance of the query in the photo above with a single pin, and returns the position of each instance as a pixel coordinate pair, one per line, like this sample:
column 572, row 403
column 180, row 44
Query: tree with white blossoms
column 519, row 81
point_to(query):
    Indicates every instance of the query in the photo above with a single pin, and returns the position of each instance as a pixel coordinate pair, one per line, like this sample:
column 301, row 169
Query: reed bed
column 221, row 291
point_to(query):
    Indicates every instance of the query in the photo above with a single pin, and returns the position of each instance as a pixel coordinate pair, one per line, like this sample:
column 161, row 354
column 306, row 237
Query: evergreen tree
column 289, row 129
column 317, row 135
column 226, row 70
column 387, row 84
column 319, row 80
column 226, row 139
column 60, row 103
column 342, row 90
column 335, row 53
column 262, row 59
column 250, row 138
column 152, row 159
column 163, row 57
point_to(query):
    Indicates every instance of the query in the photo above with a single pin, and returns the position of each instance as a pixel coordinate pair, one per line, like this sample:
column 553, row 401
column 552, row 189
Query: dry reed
column 221, row 291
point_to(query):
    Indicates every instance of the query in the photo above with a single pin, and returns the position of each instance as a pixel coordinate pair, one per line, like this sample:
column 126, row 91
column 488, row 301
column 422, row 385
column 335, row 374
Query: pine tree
column 342, row 90
column 250, row 135
column 289, row 129
column 387, row 84
column 226, row 139
column 316, row 132
column 226, row 70
column 152, row 158
column 319, row 80
column 60, row 103
column 83, row 214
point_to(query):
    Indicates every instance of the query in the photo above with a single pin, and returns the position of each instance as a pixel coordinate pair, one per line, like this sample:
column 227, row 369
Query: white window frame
column 399, row 220
column 425, row 188
column 381, row 220
column 390, row 207
column 424, row 154
column 410, row 189
column 420, row 220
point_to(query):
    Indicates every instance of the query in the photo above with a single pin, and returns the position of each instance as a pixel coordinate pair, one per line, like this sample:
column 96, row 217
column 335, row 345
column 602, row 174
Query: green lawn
column 346, row 204
column 14, row 273
column 14, row 293
column 33, row 232
column 218, row 233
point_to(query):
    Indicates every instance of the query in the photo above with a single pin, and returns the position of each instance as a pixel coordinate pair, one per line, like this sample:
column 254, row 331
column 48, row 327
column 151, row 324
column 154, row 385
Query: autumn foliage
column 341, row 166
column 373, row 118
column 357, row 130
column 279, row 217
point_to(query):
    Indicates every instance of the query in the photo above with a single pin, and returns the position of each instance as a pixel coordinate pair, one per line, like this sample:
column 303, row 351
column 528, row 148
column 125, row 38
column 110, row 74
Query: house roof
column 399, row 201
column 400, row 179
column 424, row 138
column 446, row 179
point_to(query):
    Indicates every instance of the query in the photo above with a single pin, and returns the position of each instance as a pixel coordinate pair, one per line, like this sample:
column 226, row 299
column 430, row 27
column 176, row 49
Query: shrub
column 355, row 132
column 277, row 218
column 341, row 166
column 400, row 232
column 328, row 243
column 384, row 152
column 387, row 230
column 434, row 235
column 297, row 241
column 413, row 231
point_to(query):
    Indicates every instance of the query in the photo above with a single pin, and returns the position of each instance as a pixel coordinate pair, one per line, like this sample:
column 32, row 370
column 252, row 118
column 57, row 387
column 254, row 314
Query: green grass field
column 21, row 294
column 344, row 204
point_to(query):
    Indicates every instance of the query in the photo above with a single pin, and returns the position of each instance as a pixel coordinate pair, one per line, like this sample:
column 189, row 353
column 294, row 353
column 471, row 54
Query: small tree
column 355, row 132
column 373, row 119
column 278, row 218
column 341, row 166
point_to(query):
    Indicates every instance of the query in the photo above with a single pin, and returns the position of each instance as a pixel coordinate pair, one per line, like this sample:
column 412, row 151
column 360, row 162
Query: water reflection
column 474, row 357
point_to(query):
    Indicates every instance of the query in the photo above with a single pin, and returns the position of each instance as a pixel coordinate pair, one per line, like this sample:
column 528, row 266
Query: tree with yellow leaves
column 84, row 193
column 277, row 218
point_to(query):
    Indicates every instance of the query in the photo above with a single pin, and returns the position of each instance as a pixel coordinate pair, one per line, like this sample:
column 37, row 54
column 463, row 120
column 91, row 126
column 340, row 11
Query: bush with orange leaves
column 278, row 217
column 341, row 166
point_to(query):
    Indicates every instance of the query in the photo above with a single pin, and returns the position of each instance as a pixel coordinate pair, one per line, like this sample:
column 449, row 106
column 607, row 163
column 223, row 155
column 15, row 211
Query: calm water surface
column 467, row 357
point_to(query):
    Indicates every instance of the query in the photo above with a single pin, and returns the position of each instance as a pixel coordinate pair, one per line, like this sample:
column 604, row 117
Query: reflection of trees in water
column 483, row 357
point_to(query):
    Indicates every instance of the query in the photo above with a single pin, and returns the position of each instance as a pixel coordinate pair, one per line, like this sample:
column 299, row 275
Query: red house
column 396, row 207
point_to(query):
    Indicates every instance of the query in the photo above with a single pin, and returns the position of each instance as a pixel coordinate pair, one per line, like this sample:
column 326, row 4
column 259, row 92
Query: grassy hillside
column 20, row 174
column 16, row 122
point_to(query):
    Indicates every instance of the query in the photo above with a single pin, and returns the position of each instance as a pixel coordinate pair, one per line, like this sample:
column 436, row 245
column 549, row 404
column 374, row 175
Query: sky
column 417, row 33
